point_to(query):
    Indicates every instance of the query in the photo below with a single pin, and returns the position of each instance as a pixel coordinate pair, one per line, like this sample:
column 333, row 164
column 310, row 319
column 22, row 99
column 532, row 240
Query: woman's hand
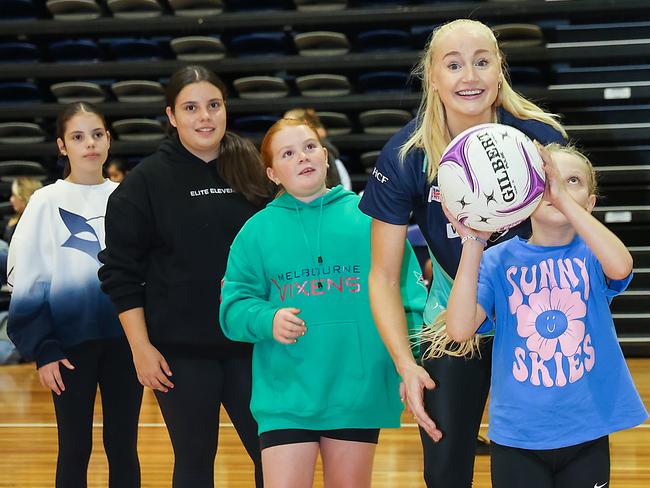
column 414, row 380
column 50, row 375
column 287, row 326
column 151, row 368
column 462, row 229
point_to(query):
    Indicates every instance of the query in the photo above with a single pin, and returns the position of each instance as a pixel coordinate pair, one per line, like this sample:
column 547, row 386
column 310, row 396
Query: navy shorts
column 295, row 436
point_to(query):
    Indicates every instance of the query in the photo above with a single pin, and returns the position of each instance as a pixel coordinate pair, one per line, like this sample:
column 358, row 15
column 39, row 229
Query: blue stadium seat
column 18, row 9
column 253, row 125
column 19, row 52
column 420, row 35
column 259, row 44
column 320, row 5
column 383, row 81
column 19, row 92
column 75, row 50
column 384, row 40
column 527, row 75
column 132, row 48
column 248, row 5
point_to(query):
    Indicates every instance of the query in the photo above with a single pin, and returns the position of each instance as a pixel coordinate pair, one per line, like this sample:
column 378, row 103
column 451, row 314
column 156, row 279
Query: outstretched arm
column 388, row 311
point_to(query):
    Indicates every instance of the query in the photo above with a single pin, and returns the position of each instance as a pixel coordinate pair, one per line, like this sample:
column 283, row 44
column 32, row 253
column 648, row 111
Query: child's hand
column 462, row 229
column 287, row 326
column 50, row 375
column 555, row 191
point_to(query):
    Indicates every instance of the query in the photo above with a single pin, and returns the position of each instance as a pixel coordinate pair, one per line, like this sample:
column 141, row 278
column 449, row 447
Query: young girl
column 60, row 318
column 296, row 286
column 560, row 384
column 465, row 83
column 169, row 227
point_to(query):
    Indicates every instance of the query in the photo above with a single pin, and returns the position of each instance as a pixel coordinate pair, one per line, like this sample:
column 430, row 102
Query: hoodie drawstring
column 318, row 235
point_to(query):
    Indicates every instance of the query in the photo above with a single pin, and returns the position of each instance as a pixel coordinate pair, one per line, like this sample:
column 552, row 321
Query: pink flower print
column 551, row 316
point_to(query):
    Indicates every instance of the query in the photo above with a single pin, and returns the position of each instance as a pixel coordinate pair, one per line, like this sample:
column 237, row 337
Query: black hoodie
column 169, row 227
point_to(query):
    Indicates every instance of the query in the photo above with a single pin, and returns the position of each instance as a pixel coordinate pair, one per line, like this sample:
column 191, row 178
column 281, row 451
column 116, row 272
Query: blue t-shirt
column 558, row 374
column 396, row 189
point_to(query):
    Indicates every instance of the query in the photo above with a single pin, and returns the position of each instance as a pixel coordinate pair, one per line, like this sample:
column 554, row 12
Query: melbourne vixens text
column 319, row 280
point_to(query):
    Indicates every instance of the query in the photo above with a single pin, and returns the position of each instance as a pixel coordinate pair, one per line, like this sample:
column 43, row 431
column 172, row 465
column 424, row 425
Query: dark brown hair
column 64, row 117
column 239, row 162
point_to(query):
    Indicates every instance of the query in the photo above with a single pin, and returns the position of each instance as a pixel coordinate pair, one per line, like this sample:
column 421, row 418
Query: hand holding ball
column 491, row 177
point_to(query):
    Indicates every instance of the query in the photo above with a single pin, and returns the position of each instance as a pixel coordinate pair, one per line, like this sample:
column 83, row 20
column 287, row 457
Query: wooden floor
column 28, row 444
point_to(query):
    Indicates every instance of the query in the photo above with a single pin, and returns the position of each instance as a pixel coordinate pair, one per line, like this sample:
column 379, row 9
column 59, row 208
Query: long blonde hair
column 431, row 133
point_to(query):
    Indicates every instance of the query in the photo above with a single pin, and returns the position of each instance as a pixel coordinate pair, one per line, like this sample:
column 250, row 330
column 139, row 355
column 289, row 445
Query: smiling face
column 199, row 116
column 85, row 142
column 466, row 74
column 299, row 162
column 577, row 175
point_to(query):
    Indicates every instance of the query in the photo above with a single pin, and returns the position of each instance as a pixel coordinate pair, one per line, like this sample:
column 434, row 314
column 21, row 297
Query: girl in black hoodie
column 169, row 227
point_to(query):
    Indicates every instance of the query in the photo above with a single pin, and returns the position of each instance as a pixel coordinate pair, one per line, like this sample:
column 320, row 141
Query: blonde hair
column 571, row 150
column 431, row 133
column 23, row 188
column 437, row 342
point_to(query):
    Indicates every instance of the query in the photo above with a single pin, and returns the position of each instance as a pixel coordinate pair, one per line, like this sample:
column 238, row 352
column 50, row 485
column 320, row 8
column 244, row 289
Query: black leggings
column 191, row 412
column 108, row 363
column 456, row 406
column 585, row 465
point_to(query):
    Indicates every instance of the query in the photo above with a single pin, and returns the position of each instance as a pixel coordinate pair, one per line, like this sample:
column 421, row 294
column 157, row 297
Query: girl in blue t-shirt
column 560, row 384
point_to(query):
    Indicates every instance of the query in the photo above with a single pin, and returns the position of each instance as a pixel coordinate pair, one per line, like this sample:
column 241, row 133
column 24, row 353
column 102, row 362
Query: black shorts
column 295, row 436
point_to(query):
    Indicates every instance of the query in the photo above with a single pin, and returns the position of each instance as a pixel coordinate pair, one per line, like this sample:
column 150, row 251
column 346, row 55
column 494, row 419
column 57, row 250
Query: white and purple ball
column 491, row 177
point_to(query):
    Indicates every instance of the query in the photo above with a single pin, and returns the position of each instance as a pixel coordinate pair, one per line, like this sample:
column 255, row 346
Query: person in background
column 22, row 190
column 117, row 170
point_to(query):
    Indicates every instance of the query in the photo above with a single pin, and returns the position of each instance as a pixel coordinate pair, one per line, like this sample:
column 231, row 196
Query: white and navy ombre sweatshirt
column 56, row 300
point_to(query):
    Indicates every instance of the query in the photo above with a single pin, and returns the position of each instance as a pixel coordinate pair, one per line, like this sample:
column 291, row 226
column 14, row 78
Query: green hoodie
column 339, row 374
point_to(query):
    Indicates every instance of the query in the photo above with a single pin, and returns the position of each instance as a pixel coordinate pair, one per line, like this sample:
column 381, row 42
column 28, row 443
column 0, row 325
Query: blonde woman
column 22, row 190
column 465, row 84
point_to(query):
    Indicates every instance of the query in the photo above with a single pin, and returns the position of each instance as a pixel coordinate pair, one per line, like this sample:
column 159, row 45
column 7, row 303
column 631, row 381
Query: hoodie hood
column 338, row 194
column 171, row 149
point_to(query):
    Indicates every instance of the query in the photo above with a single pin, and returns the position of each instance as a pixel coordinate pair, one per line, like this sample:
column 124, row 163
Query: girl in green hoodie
column 296, row 286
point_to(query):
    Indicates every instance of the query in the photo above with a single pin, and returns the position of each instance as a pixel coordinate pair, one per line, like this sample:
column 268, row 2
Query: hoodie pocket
column 323, row 369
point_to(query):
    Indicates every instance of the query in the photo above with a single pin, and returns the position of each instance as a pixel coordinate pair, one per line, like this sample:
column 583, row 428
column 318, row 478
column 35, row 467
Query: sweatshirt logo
column 318, row 281
column 83, row 236
column 210, row 191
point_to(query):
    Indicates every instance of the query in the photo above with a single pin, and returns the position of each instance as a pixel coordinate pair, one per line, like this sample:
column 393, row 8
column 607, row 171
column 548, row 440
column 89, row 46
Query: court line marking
column 221, row 424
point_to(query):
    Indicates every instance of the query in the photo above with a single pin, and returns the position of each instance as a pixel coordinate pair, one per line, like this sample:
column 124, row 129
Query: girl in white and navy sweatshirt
column 58, row 314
